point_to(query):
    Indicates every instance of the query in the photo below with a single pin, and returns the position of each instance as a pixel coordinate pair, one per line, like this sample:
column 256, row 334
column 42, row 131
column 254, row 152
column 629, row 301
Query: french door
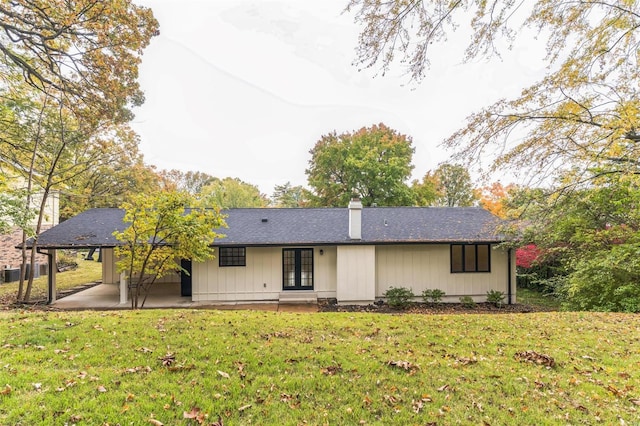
column 297, row 269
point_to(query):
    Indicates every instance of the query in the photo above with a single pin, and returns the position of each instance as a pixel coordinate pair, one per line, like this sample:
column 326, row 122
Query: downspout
column 509, row 279
column 50, row 265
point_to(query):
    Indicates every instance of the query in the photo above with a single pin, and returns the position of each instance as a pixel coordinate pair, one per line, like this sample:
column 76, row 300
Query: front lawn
column 243, row 367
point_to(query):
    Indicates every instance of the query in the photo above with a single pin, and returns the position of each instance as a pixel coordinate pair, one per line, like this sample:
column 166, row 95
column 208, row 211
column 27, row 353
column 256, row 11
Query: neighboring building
column 351, row 254
column 10, row 258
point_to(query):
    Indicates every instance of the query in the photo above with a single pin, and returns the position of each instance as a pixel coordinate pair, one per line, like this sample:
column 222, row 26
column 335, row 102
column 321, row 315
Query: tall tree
column 287, row 195
column 42, row 146
column 117, row 173
column 454, row 186
column 426, row 192
column 591, row 236
column 191, row 182
column 372, row 163
column 495, row 197
column 163, row 228
column 84, row 52
column 69, row 73
column 12, row 211
column 582, row 114
column 231, row 193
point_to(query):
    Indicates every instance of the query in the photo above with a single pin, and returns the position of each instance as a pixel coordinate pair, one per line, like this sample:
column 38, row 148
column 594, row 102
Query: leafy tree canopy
column 591, row 236
column 582, row 114
column 454, row 186
column 372, row 163
column 85, row 52
column 231, row 193
column 191, row 182
column 288, row 195
column 163, row 228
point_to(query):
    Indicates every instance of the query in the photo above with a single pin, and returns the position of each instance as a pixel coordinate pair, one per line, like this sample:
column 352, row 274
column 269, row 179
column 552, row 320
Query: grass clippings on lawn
column 243, row 367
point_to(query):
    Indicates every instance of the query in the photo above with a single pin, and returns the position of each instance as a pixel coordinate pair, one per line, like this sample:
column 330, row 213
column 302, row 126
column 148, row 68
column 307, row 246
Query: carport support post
column 53, row 269
column 123, row 288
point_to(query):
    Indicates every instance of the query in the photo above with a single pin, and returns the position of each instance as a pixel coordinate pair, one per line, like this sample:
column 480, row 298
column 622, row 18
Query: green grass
column 87, row 271
column 281, row 368
column 531, row 297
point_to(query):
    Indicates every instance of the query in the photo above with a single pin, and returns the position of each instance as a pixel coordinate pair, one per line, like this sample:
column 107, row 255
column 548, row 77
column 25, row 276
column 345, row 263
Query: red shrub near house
column 527, row 255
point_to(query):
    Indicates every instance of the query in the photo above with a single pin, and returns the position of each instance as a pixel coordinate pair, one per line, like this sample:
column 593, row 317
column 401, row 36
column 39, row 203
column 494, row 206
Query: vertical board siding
column 422, row 267
column 109, row 272
column 260, row 279
column 356, row 273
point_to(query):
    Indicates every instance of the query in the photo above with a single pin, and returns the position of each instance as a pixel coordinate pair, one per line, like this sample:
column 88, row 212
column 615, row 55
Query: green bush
column 467, row 302
column 399, row 297
column 605, row 281
column 433, row 295
column 495, row 297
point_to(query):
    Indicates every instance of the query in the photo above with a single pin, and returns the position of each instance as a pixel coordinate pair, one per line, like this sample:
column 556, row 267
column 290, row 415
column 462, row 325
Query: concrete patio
column 165, row 296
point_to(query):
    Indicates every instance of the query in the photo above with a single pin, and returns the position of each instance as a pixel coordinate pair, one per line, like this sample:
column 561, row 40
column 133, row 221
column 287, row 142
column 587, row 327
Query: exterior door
column 185, row 278
column 297, row 269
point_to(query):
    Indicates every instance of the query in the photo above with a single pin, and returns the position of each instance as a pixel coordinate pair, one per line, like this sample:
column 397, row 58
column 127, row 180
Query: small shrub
column 467, row 302
column 433, row 295
column 399, row 297
column 495, row 297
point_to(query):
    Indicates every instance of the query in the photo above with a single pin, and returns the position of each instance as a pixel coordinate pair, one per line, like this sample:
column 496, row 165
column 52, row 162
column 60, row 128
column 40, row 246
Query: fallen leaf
column 195, row 411
column 196, row 414
column 223, row 374
column 332, row 370
column 102, row 389
column 156, row 422
column 614, row 390
column 466, row 361
column 405, row 365
column 6, row 390
column 168, row 359
column 536, row 358
column 244, row 407
column 443, row 388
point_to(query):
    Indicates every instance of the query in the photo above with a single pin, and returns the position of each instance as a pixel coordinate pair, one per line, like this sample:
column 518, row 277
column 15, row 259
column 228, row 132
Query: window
column 232, row 256
column 470, row 258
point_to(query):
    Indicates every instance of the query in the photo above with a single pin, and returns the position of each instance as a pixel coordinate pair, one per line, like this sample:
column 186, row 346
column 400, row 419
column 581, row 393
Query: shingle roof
column 91, row 228
column 380, row 225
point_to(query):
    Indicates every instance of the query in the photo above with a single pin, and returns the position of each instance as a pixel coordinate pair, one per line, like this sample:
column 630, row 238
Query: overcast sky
column 245, row 88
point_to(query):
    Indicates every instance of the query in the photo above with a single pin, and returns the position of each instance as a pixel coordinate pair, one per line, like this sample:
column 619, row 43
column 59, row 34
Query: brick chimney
column 355, row 219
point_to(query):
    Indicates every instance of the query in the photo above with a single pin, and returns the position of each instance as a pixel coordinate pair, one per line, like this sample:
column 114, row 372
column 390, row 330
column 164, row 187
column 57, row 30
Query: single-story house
column 352, row 254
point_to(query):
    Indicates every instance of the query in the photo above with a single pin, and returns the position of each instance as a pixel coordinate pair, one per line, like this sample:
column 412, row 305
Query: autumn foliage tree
column 69, row 80
column 582, row 114
column 162, row 229
column 85, row 52
column 373, row 163
column 229, row 193
column 575, row 130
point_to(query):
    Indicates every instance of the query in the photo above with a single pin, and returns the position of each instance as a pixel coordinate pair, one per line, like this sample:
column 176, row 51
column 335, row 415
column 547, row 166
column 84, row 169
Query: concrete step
column 301, row 296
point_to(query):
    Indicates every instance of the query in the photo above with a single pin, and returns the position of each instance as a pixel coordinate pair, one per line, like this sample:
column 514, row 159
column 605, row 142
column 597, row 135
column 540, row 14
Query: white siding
column 356, row 272
column 261, row 278
column 421, row 267
column 109, row 272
